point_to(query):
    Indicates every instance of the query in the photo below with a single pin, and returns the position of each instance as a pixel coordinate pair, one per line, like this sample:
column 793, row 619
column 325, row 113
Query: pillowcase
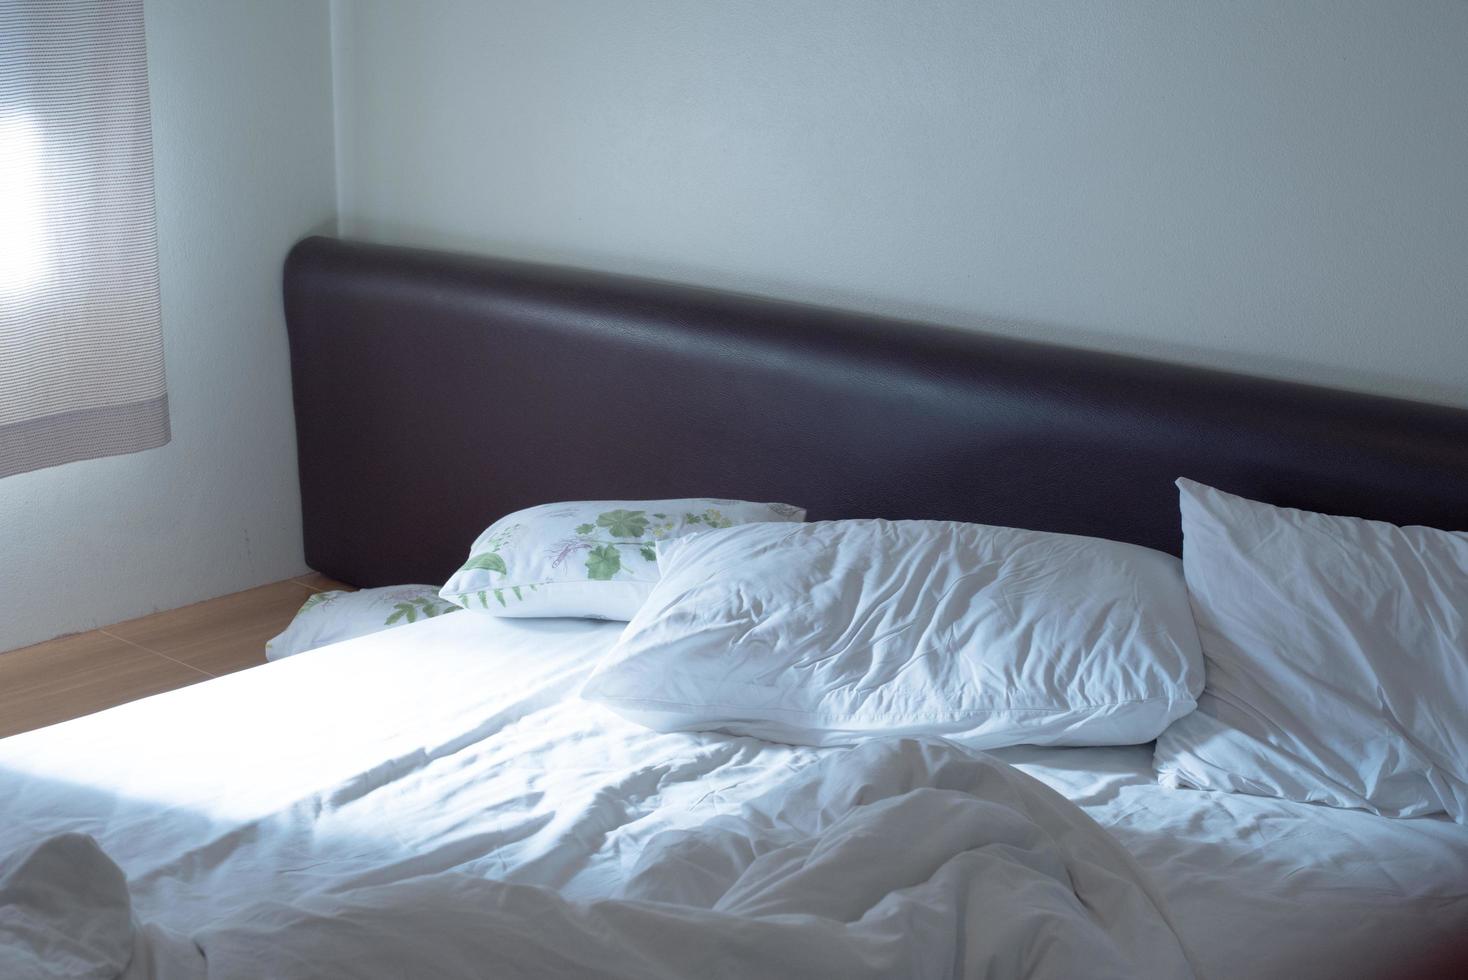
column 592, row 559
column 1337, row 659
column 330, row 617
column 830, row 633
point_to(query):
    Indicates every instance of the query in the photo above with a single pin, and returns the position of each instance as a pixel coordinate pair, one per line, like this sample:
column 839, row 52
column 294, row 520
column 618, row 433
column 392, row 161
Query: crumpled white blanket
column 910, row 858
column 64, row 912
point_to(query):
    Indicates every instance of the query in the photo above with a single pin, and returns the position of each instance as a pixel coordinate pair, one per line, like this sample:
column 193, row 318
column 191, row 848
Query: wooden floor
column 86, row 672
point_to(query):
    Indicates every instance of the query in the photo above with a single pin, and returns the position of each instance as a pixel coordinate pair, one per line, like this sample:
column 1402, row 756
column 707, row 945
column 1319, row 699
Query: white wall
column 1280, row 188
column 242, row 124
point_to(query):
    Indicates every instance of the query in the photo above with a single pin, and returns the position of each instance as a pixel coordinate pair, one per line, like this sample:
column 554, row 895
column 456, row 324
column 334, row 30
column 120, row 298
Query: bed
column 435, row 393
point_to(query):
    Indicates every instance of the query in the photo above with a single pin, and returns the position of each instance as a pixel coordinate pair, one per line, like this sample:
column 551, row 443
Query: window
column 81, row 349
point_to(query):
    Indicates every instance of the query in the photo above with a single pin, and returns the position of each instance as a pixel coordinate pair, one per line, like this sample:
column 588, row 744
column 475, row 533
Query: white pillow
column 1337, row 659
column 592, row 559
column 828, row 633
column 330, row 617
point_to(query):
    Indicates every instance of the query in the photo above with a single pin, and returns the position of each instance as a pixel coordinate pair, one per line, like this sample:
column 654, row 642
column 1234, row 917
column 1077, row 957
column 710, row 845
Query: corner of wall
column 337, row 12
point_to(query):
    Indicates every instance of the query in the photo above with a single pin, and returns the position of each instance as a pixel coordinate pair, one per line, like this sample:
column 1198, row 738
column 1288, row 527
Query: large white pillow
column 828, row 633
column 591, row 559
column 1337, row 659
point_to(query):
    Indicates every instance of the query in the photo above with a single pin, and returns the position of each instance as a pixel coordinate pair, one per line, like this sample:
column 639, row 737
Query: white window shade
column 81, row 350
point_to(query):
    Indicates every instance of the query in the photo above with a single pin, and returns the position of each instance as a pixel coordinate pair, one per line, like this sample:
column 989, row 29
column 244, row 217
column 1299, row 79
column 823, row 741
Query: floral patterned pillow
column 593, row 559
column 330, row 617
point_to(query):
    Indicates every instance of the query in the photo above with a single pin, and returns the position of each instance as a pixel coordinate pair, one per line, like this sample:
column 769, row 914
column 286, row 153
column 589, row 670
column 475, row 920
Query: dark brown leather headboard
column 435, row 393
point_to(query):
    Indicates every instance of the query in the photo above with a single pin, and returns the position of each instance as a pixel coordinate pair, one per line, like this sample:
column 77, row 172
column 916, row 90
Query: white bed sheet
column 454, row 743
column 1262, row 887
column 458, row 743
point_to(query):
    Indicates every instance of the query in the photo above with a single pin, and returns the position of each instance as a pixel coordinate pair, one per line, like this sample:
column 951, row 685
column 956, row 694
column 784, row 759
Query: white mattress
column 458, row 743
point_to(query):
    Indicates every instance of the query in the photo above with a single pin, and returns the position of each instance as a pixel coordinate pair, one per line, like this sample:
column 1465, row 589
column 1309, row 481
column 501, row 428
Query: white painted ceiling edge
column 1272, row 188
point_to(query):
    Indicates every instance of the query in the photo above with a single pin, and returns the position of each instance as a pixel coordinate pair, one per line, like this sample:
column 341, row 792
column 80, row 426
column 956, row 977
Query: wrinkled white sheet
column 64, row 912
column 371, row 761
column 456, row 745
column 1269, row 888
column 997, row 876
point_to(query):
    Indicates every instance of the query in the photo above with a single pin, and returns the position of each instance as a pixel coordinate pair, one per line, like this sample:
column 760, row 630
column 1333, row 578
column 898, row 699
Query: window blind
column 81, row 347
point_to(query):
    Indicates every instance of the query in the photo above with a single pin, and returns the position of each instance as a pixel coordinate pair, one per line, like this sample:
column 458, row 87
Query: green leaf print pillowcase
column 592, row 559
column 330, row 617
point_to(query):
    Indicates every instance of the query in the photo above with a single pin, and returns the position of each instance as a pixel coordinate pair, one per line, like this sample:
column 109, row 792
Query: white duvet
column 908, row 858
column 452, row 756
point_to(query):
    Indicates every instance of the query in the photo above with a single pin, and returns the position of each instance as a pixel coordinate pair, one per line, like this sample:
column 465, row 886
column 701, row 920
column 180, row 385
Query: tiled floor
column 86, row 672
